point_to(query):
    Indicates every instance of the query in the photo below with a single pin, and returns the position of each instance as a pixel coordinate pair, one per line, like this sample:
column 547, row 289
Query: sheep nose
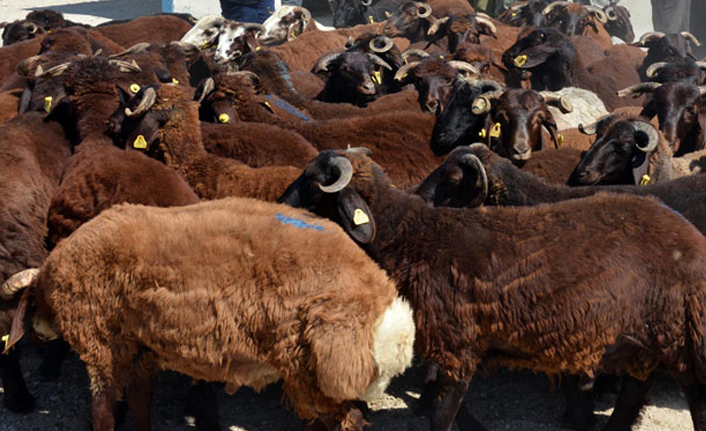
column 522, row 152
column 432, row 105
column 587, row 176
column 368, row 88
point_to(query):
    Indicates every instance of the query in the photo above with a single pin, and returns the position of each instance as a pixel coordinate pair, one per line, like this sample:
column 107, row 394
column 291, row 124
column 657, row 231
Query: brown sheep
column 9, row 104
column 561, row 288
column 13, row 54
column 250, row 302
column 156, row 28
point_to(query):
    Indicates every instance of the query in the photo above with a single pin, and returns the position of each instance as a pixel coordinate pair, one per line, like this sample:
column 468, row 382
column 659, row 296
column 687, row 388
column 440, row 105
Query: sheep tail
column 9, row 288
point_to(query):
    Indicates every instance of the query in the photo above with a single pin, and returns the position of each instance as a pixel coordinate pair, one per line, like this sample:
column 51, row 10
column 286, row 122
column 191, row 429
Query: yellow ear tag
column 370, row 18
column 47, row 104
column 483, row 134
column 359, row 217
column 377, row 77
column 645, row 180
column 441, row 57
column 175, row 81
column 205, row 45
column 258, row 48
column 514, row 14
column 495, row 131
column 560, row 139
column 134, row 88
column 140, row 142
column 520, row 60
column 223, row 118
column 295, row 34
column 5, row 339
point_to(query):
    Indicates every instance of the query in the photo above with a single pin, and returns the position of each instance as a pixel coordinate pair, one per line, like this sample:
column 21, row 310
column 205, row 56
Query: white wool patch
column 393, row 342
column 588, row 108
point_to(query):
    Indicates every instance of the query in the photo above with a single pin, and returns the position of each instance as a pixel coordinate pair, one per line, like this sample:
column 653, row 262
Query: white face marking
column 224, row 50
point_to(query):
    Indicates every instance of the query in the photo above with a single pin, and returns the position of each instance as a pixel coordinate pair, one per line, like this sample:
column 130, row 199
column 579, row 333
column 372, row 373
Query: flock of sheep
column 247, row 203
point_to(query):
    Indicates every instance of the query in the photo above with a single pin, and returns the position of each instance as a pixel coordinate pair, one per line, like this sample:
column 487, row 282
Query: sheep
column 619, row 24
column 20, row 30
column 554, row 64
column 156, row 28
column 410, row 20
column 251, row 311
column 581, row 19
column 555, row 166
column 494, row 287
column 351, row 77
column 683, row 70
column 664, row 47
column 168, row 128
column 33, row 157
column 681, row 111
column 9, row 104
column 13, row 54
column 526, row 14
column 588, row 108
column 286, row 24
column 462, row 29
column 630, row 150
column 349, row 13
column 167, row 61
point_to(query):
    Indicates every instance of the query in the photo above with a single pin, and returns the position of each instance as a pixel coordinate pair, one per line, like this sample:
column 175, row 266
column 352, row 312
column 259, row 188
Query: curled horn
column 149, row 97
column 388, row 44
column 139, row 47
column 360, row 150
column 379, row 61
column 208, row 87
column 418, row 52
column 652, row 136
column 32, row 27
column 652, row 71
column 404, row 70
column 494, row 86
column 638, row 89
column 124, row 66
column 54, row 71
column 305, row 14
column 345, row 168
column 611, row 13
column 690, row 37
column 547, row 10
column 483, row 103
column 649, row 36
column 464, row 67
column 485, row 22
column 322, row 64
column 551, row 98
column 17, row 282
column 473, row 161
column 600, row 15
column 590, row 129
column 423, row 10
column 701, row 64
column 437, row 25
column 366, row 2
column 518, row 5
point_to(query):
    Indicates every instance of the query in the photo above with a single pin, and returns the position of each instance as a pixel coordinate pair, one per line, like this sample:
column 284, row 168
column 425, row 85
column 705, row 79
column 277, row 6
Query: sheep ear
column 356, row 218
column 640, row 165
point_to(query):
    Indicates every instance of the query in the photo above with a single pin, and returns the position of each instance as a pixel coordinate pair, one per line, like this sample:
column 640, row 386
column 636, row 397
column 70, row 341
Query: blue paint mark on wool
column 284, row 72
column 287, row 107
column 299, row 224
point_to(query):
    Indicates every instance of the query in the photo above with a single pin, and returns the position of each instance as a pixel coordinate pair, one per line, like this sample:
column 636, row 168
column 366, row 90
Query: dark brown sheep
column 251, row 311
column 499, row 286
column 156, row 28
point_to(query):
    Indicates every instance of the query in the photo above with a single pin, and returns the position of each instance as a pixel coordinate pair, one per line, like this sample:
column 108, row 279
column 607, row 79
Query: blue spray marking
column 287, row 107
column 284, row 72
column 299, row 224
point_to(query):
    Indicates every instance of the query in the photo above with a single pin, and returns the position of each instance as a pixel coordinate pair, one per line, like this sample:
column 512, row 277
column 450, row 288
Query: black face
column 458, row 125
column 350, row 79
column 403, row 22
column 545, row 52
column 453, row 184
column 671, row 45
column 619, row 24
column 680, row 110
column 348, row 13
column 305, row 193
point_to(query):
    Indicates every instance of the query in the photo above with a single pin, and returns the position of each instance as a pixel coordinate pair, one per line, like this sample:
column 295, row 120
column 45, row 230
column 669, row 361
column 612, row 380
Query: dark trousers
column 671, row 16
column 256, row 12
column 698, row 27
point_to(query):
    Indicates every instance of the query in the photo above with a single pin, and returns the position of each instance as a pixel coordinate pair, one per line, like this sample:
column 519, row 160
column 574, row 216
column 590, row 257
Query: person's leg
column 698, row 12
column 671, row 16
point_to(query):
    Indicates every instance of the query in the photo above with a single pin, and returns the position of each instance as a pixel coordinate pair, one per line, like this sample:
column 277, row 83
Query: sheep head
column 285, row 25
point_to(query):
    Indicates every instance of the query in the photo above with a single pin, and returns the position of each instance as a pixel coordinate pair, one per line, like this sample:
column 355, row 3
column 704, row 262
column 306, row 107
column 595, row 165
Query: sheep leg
column 631, row 399
column 55, row 354
column 17, row 398
column 578, row 412
column 695, row 394
column 447, row 403
column 103, row 409
column 139, row 398
column 203, row 406
column 431, row 388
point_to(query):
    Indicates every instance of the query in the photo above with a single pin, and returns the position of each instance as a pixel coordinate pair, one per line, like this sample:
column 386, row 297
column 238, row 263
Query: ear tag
column 359, row 217
column 645, row 180
column 520, row 60
column 175, row 81
column 140, row 142
column 514, row 14
column 5, row 339
column 47, row 104
column 387, row 14
column 483, row 134
column 223, row 118
column 370, row 18
column 206, row 45
column 495, row 131
column 258, row 48
column 295, row 34
column 377, row 77
column 441, row 57
column 134, row 88
column 560, row 139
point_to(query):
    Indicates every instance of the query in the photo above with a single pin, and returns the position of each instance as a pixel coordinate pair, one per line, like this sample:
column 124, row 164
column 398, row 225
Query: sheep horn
column 547, row 10
column 701, row 64
column 379, row 61
column 208, row 87
column 388, row 44
column 473, row 161
column 17, row 282
column 124, row 66
column 486, row 23
column 638, row 89
column 404, row 70
column 437, row 25
column 649, row 36
column 366, row 2
column 418, row 52
column 323, row 63
column 149, row 97
column 690, row 37
column 463, row 66
column 32, row 27
column 423, row 10
column 702, row 90
column 483, row 103
column 489, row 83
column 360, row 150
column 345, row 167
column 305, row 14
column 139, row 47
column 653, row 137
column 518, row 5
column 54, row 71
column 611, row 13
column 602, row 17
column 551, row 98
column 651, row 71
column 589, row 130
